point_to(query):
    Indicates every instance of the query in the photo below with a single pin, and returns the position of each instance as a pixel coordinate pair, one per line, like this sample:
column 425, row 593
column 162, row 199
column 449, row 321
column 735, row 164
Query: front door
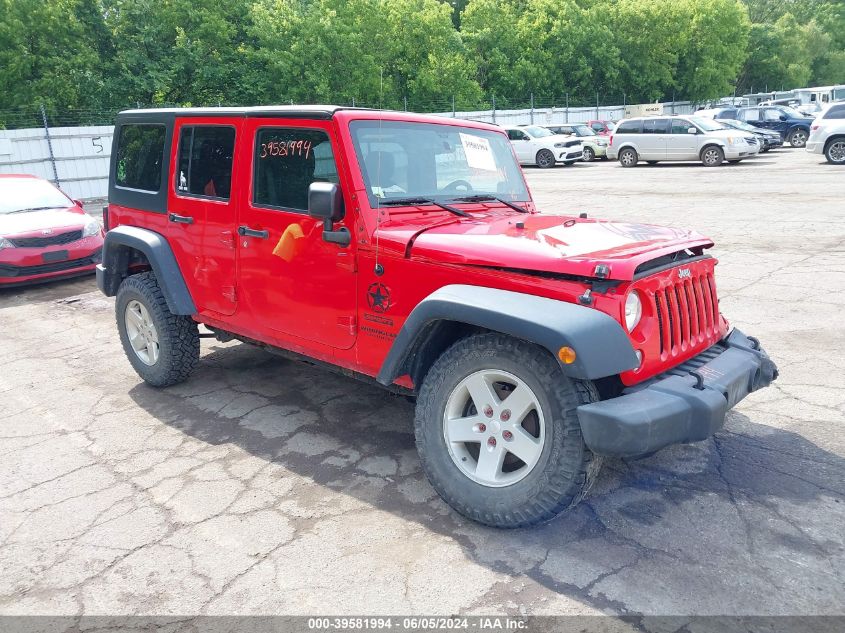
column 522, row 145
column 202, row 210
column 290, row 280
column 774, row 119
column 683, row 145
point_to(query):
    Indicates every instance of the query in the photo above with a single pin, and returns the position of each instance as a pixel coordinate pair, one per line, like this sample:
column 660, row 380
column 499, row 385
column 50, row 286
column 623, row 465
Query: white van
column 679, row 138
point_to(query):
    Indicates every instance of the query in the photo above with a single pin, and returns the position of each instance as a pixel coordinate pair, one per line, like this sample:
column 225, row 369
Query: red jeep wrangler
column 406, row 249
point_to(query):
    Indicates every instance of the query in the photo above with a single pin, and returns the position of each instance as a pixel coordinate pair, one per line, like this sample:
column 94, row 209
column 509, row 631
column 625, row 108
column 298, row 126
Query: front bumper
column 687, row 406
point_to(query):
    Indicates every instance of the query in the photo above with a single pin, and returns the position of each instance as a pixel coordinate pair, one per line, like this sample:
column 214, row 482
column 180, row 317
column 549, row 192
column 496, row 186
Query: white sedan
column 535, row 145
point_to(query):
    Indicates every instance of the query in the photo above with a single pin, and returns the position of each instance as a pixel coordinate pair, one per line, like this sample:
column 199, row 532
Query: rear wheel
column 712, row 156
column 589, row 155
column 798, row 138
column 835, row 151
column 628, row 157
column 498, row 435
column 545, row 159
column 162, row 347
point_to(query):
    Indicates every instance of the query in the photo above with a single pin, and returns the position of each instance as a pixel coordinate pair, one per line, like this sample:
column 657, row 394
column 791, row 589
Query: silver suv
column 679, row 138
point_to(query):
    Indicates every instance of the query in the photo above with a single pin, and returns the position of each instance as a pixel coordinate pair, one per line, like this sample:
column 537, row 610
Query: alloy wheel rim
column 711, row 156
column 799, row 138
column 588, row 154
column 494, row 428
column 627, row 158
column 837, row 152
column 544, row 160
column 142, row 333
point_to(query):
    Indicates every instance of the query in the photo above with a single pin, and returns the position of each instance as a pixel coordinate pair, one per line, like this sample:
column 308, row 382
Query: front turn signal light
column 566, row 355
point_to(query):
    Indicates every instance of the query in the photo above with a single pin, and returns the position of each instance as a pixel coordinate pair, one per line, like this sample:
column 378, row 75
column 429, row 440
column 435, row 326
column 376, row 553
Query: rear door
column 202, row 209
column 290, row 280
column 655, row 138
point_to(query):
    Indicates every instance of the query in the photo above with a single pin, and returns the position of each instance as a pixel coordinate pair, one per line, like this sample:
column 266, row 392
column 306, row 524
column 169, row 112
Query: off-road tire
column 178, row 335
column 545, row 159
column 798, row 138
column 566, row 468
column 628, row 157
column 712, row 156
column 834, row 152
column 589, row 155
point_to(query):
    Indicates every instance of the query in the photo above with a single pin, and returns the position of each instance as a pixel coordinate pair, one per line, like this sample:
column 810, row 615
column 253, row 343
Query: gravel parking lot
column 264, row 486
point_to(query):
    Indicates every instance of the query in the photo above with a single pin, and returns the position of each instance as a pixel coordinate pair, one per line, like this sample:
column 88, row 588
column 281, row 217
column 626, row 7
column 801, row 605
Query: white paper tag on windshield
column 478, row 152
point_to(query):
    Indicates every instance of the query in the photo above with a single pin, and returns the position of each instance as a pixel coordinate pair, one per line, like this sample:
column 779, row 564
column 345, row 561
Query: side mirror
column 692, row 130
column 783, row 117
column 325, row 203
column 78, row 203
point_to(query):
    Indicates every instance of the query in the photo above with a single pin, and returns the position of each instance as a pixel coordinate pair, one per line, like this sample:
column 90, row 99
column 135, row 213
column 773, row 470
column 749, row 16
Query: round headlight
column 633, row 310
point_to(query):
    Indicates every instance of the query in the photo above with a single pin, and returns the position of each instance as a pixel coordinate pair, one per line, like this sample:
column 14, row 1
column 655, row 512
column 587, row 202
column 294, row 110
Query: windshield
column 791, row 112
column 538, row 132
column 402, row 159
column 583, row 130
column 740, row 125
column 708, row 125
column 20, row 194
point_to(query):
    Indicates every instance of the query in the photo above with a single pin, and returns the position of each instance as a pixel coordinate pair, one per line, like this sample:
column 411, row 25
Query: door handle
column 180, row 219
column 245, row 230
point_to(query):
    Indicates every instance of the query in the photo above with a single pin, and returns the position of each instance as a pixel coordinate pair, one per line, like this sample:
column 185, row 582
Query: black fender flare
column 601, row 345
column 154, row 246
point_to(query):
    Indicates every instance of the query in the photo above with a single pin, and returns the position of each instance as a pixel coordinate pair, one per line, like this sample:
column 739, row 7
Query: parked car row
column 792, row 126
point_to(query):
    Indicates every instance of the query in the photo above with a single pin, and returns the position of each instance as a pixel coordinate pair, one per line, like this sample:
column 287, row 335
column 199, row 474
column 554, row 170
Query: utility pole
column 532, row 108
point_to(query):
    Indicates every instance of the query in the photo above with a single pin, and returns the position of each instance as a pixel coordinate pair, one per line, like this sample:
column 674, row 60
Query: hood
column 730, row 132
column 14, row 224
column 552, row 243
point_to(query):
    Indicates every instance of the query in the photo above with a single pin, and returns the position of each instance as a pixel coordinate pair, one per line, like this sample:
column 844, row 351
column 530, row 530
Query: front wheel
column 589, row 155
column 545, row 159
column 712, row 156
column 162, row 347
column 798, row 138
column 835, row 151
column 498, row 434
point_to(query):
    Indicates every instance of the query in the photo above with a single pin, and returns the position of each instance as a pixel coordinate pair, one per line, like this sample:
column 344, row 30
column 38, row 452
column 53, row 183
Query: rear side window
column 835, row 112
column 598, row 127
column 751, row 115
column 656, row 126
column 205, row 161
column 726, row 114
column 287, row 161
column 629, row 127
column 140, row 155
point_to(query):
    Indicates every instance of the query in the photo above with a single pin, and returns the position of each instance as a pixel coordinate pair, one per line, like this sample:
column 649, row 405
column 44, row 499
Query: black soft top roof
column 292, row 111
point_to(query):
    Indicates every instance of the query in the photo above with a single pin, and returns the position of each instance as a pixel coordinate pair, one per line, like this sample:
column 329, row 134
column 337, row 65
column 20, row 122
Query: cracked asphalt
column 265, row 486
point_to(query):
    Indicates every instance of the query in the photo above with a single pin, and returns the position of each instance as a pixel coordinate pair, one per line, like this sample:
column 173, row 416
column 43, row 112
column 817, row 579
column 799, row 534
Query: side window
column 679, row 126
column 835, row 112
column 598, row 127
column 205, row 161
column 517, row 135
column 772, row 115
column 635, row 126
column 287, row 161
column 140, row 155
column 656, row 126
column 751, row 115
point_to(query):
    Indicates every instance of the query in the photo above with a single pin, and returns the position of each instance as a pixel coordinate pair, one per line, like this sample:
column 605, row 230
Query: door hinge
column 347, row 324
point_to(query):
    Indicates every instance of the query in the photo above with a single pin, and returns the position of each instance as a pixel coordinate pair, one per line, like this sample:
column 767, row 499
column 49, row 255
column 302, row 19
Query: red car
column 44, row 234
column 406, row 250
column 602, row 128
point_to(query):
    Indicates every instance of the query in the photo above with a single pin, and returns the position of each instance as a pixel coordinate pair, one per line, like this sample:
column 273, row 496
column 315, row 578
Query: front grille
column 42, row 269
column 687, row 312
column 49, row 240
column 751, row 141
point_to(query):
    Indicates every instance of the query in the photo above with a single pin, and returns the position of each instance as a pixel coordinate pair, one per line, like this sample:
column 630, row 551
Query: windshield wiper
column 485, row 197
column 392, row 202
column 32, row 209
